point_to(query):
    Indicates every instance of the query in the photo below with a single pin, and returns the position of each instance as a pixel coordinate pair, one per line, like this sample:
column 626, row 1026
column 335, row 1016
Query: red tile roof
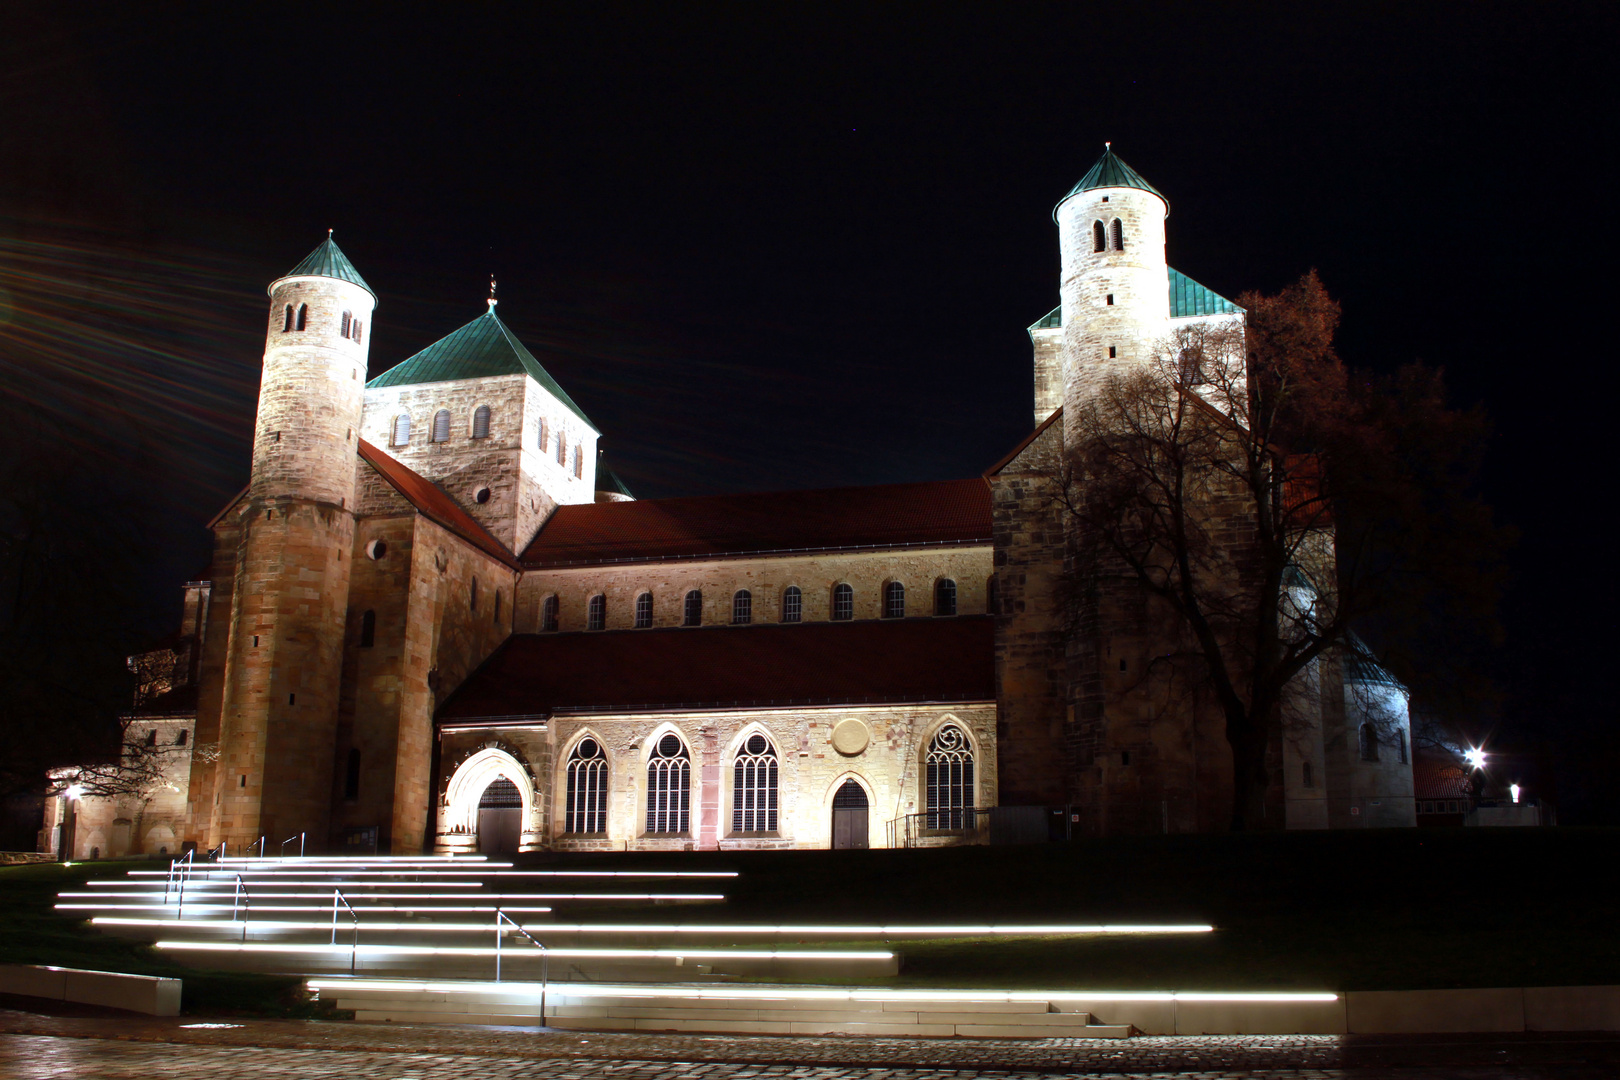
column 1439, row 778
column 907, row 660
column 889, row 515
column 432, row 503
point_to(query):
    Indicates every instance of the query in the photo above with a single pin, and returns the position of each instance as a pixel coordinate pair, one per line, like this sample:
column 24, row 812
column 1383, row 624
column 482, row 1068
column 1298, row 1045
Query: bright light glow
column 1475, row 757
column 254, row 871
column 221, row 888
column 199, row 883
column 1514, row 789
column 590, row 954
column 492, row 908
column 633, row 928
column 211, row 1025
column 575, row 990
column 73, row 791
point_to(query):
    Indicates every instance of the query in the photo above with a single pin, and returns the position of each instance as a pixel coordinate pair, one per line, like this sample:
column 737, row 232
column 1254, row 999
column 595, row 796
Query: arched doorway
column 849, row 817
column 500, row 817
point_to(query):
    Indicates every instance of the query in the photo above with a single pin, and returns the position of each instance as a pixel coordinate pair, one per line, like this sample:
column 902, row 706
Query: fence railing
column 290, row 839
column 979, row 825
column 545, row 955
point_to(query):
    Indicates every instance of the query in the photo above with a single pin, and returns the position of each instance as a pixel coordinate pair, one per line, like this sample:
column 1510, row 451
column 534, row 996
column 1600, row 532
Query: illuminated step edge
column 226, row 890
column 230, row 882
column 210, row 869
column 572, row 990
column 491, row 908
column 634, row 928
column 569, row 953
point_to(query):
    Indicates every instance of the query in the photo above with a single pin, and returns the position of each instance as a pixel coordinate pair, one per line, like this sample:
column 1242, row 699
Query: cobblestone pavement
column 34, row 1046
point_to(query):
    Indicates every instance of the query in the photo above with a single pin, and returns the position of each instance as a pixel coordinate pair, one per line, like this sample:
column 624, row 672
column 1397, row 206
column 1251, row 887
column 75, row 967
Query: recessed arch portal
column 477, row 773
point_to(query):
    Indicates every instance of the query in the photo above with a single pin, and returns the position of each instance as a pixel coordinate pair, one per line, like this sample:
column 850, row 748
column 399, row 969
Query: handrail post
column 498, row 936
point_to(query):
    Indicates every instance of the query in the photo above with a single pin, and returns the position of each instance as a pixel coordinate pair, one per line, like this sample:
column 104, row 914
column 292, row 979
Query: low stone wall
column 16, row 858
column 114, row 990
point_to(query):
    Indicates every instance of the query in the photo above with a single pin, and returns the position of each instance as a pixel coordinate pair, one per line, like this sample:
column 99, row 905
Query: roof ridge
column 467, row 527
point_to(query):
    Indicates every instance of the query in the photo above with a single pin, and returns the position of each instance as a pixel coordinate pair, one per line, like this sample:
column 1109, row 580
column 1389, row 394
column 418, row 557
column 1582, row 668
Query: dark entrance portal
column 500, row 818
column 849, row 816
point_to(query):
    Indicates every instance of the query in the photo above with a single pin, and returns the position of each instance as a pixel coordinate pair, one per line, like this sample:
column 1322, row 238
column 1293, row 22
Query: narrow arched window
column 945, row 597
column 441, row 426
column 1400, row 744
column 792, row 604
column 180, row 739
column 151, row 737
column 843, row 602
column 497, row 619
column 596, row 613
column 753, row 787
column 545, row 435
column 693, row 613
column 950, row 779
column 579, row 462
column 1369, row 743
column 548, row 614
column 669, row 787
column 402, row 430
column 587, row 789
column 347, row 319
column 991, row 594
column 562, row 449
column 1119, row 235
column 356, row 334
column 894, row 600
column 368, row 629
column 644, row 611
column 351, row 775
column 302, row 318
column 742, row 608
column 287, row 319
column 481, row 422
column 1099, row 238
column 472, row 595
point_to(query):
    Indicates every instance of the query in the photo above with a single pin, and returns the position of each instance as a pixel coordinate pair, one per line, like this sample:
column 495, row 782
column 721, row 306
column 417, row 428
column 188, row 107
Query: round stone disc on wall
column 850, row 737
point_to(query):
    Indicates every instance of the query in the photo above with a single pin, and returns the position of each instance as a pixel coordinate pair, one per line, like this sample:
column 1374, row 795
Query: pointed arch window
column 1368, row 743
column 1099, row 237
column 742, row 608
column 950, row 779
column 402, row 430
column 692, row 615
column 596, row 613
column 548, row 614
column 669, row 787
column 753, row 787
column 441, row 426
column 1119, row 235
column 368, row 629
column 843, row 602
column 945, row 597
column 894, row 600
column 586, row 810
column 644, row 611
column 792, row 604
column 301, row 317
column 481, row 422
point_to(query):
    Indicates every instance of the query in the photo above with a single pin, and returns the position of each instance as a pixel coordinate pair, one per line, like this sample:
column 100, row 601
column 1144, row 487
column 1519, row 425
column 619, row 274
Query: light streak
column 226, row 887
column 569, row 953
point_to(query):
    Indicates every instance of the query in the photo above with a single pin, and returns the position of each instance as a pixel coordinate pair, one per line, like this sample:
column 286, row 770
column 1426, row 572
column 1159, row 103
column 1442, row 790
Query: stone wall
column 149, row 822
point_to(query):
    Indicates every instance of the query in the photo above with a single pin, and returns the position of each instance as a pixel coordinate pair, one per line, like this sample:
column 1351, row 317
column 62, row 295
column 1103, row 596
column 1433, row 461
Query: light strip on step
column 698, row 993
column 256, row 906
column 515, row 951
column 883, row 931
column 208, row 870
column 230, row 883
column 375, row 896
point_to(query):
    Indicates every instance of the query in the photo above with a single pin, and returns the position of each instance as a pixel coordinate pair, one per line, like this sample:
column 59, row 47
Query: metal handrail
column 261, row 848
column 354, row 946
column 290, row 839
column 545, row 956
column 174, row 864
column 219, row 851
column 247, row 904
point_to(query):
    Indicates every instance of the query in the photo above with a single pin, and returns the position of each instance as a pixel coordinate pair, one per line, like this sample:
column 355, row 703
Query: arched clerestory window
column 1119, row 235
column 579, row 462
column 753, row 787
column 441, row 426
column 586, row 810
column 545, row 435
column 596, row 613
column 644, row 611
column 692, row 615
column 402, row 430
column 669, row 787
column 950, row 779
column 1099, row 237
column 945, row 597
column 1368, row 741
column 894, row 600
column 843, row 602
column 480, row 427
column 742, row 608
column 548, row 614
column 792, row 604
column 562, row 449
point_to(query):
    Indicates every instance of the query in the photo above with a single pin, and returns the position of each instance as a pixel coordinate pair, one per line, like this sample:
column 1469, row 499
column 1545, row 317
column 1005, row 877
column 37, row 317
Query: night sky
column 772, row 247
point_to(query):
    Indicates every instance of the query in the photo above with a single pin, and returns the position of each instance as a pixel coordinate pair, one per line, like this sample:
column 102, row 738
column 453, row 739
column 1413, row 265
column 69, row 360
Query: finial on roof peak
column 492, row 301
column 1108, row 147
column 329, row 234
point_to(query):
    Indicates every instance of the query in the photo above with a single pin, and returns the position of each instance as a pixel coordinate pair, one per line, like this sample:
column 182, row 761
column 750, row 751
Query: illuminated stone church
column 435, row 621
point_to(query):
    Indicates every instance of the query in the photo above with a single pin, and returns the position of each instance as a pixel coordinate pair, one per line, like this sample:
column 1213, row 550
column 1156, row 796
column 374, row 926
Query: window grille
column 579, row 463
column 851, row 796
column 950, row 779
column 1099, row 240
column 481, row 422
column 548, row 614
column 303, row 317
column 894, row 600
column 742, row 608
column 587, row 789
column 287, row 319
column 1119, row 235
column 669, row 787
column 644, row 611
column 596, row 613
column 441, row 426
column 693, row 615
column 347, row 319
column 545, row 435
column 402, row 429
column 753, row 787
column 843, row 605
column 501, row 794
column 1369, row 743
column 368, row 629
column 792, row 604
column 945, row 597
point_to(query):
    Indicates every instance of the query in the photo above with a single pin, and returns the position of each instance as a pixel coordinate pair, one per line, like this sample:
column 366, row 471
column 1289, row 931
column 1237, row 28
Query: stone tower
column 283, row 658
column 1115, row 303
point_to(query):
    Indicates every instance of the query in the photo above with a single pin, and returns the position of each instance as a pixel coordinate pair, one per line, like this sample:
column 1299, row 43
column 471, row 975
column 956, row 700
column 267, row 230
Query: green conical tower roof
column 1109, row 172
column 482, row 349
column 328, row 260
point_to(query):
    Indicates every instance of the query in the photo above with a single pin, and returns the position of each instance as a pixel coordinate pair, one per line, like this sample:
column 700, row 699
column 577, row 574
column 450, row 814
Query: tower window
column 302, row 317
column 481, row 422
column 894, row 600
column 1110, row 299
column 497, row 618
column 950, row 779
column 1112, row 352
column 180, row 739
column 151, row 737
column 441, row 426
column 1400, row 745
column 753, row 787
column 356, row 334
column 1099, row 239
column 693, row 614
column 792, row 604
column 402, row 430
column 579, row 463
column 562, row 449
column 368, row 629
column 287, row 319
column 1368, row 743
column 545, row 434
column 669, row 787
column 472, row 595
column 644, row 611
column 347, row 319
column 1310, row 780
column 843, row 602
column 945, row 597
column 351, row 776
column 548, row 614
column 587, row 789
column 742, row 608
column 1119, row 235
column 481, row 496
column 596, row 613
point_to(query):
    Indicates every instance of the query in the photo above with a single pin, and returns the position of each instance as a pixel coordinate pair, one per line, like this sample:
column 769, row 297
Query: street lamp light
column 1475, row 757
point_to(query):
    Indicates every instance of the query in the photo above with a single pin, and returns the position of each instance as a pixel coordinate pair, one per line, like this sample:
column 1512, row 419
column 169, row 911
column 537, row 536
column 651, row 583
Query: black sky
column 779, row 246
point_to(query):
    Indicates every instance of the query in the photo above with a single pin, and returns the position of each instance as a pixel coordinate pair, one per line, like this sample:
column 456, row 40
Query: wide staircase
column 466, row 939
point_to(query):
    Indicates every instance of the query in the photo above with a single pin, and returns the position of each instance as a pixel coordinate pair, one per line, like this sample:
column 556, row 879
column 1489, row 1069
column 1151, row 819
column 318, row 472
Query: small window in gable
column 1099, row 240
column 843, row 602
column 693, row 613
column 151, row 737
column 481, row 422
column 644, row 611
column 472, row 595
column 441, row 426
column 402, row 430
column 742, row 608
column 180, row 739
column 792, row 604
column 548, row 614
column 596, row 613
column 1119, row 235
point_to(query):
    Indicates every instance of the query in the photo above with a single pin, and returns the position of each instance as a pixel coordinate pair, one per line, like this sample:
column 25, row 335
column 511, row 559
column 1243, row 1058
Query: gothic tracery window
column 753, row 787
column 586, row 810
column 950, row 779
column 669, row 787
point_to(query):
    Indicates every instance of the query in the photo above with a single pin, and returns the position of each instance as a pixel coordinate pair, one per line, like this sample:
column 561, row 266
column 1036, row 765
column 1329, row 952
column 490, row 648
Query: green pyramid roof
column 482, row 349
column 328, row 260
column 608, row 480
column 1110, row 172
column 1187, row 297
